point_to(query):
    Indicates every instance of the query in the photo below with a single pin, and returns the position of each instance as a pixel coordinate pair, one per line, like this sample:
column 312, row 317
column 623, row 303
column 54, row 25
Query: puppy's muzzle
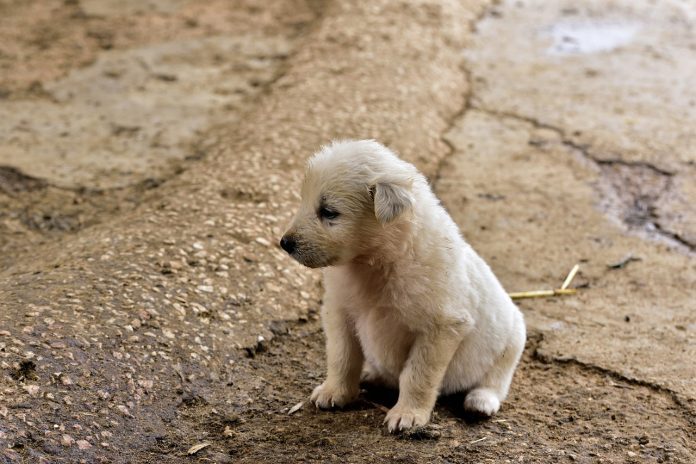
column 288, row 243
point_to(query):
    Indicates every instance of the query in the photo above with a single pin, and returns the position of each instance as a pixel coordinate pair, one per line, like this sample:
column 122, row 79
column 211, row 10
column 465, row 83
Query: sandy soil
column 151, row 156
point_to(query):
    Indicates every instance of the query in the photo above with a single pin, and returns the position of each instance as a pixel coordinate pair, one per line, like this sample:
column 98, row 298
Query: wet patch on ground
column 634, row 195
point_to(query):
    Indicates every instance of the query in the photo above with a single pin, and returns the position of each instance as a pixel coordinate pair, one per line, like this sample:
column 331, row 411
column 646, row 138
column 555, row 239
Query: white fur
column 408, row 302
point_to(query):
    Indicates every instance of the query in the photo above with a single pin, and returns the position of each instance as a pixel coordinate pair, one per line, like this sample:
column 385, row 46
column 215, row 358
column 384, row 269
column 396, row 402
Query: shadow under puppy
column 408, row 302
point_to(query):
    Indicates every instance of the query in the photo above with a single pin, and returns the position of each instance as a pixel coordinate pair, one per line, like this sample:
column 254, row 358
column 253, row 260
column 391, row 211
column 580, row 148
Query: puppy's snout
column 288, row 244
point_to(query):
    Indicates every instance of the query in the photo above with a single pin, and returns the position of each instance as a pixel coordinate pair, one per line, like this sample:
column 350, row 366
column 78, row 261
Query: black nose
column 288, row 244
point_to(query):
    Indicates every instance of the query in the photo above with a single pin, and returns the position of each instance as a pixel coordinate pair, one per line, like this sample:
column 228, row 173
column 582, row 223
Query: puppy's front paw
column 402, row 418
column 328, row 395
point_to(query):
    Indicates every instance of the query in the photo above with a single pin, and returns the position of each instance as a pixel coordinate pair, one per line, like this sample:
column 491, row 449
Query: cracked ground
column 151, row 157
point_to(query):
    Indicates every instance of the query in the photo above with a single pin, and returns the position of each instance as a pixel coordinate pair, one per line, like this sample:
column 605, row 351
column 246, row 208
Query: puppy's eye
column 327, row 213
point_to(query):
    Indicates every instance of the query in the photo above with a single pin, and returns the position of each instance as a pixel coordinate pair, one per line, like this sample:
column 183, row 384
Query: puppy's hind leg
column 486, row 397
column 370, row 375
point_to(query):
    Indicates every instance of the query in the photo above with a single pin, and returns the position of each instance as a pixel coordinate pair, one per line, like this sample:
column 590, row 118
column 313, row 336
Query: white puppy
column 408, row 302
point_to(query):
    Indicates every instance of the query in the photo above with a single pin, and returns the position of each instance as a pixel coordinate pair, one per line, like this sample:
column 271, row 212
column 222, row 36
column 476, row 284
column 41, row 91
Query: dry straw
column 564, row 290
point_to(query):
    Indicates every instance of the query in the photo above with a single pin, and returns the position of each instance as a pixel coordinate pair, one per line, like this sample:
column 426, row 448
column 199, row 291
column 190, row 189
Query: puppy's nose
column 288, row 244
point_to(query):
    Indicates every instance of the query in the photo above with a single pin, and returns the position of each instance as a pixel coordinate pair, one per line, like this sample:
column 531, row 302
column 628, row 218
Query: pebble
column 263, row 241
column 33, row 390
column 83, row 444
column 146, row 384
column 67, row 440
column 124, row 410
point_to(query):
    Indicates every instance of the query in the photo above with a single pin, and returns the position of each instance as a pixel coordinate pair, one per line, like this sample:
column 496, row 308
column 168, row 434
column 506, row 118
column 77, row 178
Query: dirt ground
column 151, row 156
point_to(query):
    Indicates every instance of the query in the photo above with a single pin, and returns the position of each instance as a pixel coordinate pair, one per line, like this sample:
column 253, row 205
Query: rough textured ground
column 151, row 157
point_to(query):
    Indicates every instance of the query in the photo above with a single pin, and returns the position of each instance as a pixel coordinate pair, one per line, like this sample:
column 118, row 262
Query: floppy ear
column 391, row 201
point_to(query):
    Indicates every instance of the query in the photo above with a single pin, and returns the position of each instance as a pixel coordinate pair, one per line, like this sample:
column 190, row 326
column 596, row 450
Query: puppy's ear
column 391, row 201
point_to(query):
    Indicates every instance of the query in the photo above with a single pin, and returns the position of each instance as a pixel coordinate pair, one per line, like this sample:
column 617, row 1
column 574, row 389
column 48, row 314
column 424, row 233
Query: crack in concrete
column 451, row 149
column 567, row 141
column 638, row 205
column 13, row 181
column 630, row 164
column 537, row 338
column 468, row 97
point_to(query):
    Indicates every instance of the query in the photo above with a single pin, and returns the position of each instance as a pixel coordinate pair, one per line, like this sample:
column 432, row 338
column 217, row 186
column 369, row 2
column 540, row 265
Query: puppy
column 408, row 302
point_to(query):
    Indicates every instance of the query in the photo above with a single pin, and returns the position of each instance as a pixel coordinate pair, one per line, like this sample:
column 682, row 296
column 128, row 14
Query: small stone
column 83, row 444
column 33, row 390
column 66, row 440
column 146, row 384
column 124, row 410
column 426, row 432
column 263, row 241
column 220, row 458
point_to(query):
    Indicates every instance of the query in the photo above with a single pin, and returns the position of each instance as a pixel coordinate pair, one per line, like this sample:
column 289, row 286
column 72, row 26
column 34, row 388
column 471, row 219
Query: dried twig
column 623, row 262
column 196, row 448
column 381, row 407
column 569, row 279
column 564, row 290
column 542, row 293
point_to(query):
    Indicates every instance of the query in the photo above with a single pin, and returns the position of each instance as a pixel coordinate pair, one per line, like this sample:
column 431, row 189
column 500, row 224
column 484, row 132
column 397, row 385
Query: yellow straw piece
column 570, row 277
column 564, row 290
column 542, row 293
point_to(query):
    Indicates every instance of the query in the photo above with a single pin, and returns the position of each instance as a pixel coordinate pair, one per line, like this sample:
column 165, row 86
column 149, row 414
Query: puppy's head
column 352, row 195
